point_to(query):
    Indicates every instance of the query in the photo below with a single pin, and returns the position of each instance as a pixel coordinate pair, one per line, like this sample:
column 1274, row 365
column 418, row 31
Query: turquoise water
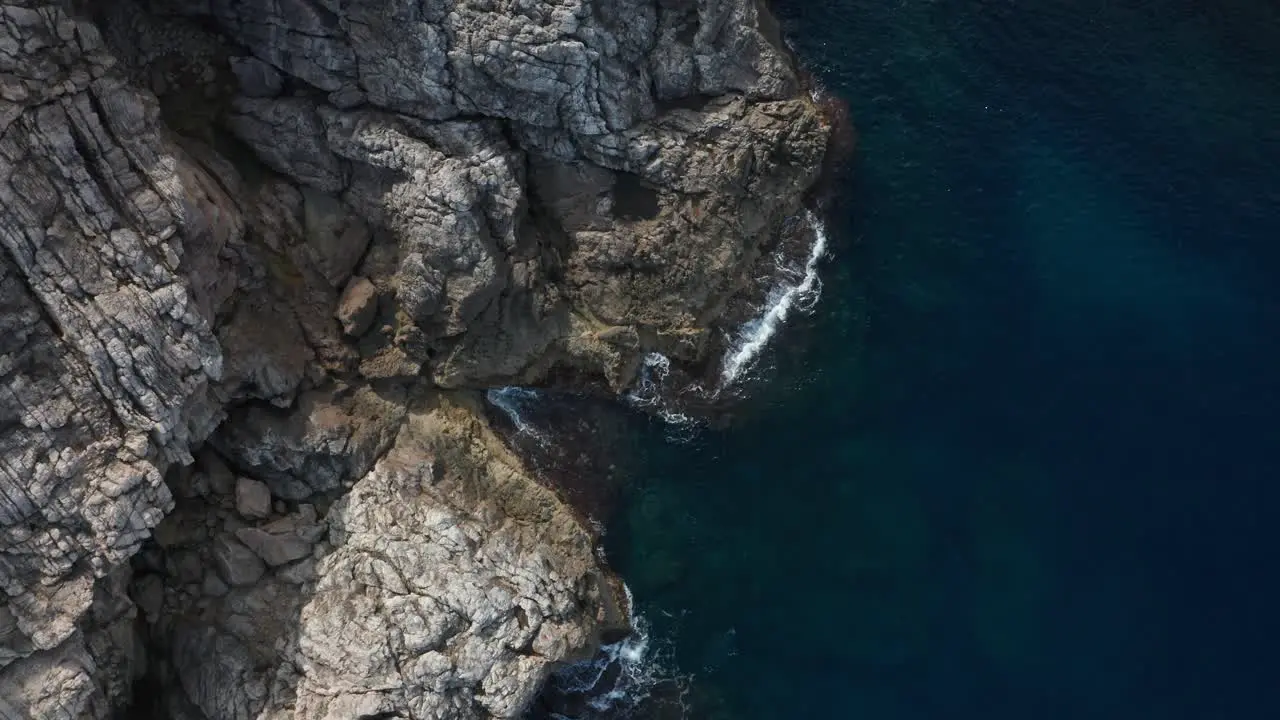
column 1021, row 459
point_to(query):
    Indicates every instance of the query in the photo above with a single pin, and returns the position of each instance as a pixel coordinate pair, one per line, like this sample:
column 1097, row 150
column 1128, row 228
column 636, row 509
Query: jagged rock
column 300, row 151
column 89, row 673
column 237, row 565
column 569, row 186
column 448, row 582
column 105, row 355
column 480, row 575
column 324, row 442
column 185, row 566
column 54, row 683
column 253, row 499
column 217, row 476
column 689, row 174
column 336, row 238
column 266, row 349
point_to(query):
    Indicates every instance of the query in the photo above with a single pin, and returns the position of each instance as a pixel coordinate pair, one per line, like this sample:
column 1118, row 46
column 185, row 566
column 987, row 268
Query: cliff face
column 257, row 253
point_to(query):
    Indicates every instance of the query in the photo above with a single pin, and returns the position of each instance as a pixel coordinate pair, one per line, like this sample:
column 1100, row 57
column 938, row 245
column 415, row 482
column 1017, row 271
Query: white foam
column 648, row 388
column 755, row 335
column 639, row 671
column 509, row 400
column 648, row 391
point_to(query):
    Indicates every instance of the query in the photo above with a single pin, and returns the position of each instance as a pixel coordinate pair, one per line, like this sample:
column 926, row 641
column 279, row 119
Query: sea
column 1011, row 449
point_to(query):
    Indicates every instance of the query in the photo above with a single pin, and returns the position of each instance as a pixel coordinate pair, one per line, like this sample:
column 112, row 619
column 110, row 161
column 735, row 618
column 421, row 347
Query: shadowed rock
column 272, row 236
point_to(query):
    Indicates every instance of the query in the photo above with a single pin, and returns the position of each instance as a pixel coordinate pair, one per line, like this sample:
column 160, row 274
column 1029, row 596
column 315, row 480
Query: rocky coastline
column 259, row 262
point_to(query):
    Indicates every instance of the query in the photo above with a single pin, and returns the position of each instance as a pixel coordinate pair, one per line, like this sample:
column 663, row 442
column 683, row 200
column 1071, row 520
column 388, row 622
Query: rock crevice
column 256, row 260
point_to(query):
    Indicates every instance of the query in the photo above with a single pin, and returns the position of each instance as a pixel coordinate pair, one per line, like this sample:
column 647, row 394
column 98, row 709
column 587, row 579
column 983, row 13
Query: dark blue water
column 1021, row 462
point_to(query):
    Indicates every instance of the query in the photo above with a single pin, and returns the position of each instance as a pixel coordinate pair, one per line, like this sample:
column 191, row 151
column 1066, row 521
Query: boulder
column 237, row 565
column 274, row 549
column 253, row 499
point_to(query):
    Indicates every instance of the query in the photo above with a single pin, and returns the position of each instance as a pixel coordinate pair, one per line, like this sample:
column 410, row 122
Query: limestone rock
column 53, row 683
column 274, row 549
column 253, row 499
column 478, row 195
column 326, row 441
column 299, row 573
column 106, row 354
column 237, row 565
column 358, row 306
column 257, row 79
column 449, row 583
column 684, row 124
column 88, row 674
column 336, row 237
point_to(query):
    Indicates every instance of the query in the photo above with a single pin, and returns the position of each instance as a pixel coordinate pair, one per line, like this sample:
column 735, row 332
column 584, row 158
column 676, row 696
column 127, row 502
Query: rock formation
column 257, row 257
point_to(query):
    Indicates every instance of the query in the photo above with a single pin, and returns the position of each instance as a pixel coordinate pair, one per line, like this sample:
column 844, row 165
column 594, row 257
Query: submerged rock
column 287, row 239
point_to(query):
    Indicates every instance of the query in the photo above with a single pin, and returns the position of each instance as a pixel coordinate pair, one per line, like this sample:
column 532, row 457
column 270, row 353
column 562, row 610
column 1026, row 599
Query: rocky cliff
column 257, row 256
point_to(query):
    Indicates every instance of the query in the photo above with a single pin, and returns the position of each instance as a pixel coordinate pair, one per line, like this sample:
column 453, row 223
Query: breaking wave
column 649, row 393
column 619, row 682
column 510, row 400
column 801, row 290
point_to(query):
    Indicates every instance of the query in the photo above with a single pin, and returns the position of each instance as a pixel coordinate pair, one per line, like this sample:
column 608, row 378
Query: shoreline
column 549, row 430
column 290, row 273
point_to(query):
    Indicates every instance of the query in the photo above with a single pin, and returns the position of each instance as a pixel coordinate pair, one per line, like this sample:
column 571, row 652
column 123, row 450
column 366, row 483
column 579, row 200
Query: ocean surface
column 1021, row 458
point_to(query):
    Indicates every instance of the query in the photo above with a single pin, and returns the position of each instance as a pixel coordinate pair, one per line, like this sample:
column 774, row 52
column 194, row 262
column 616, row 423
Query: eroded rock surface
column 258, row 255
column 106, row 360
column 444, row 583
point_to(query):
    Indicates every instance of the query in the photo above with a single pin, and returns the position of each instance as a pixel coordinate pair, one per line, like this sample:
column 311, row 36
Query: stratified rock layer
column 283, row 240
column 443, row 583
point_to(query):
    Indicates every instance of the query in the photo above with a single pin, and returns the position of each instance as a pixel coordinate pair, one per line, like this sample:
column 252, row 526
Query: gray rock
column 149, row 594
column 257, row 78
column 691, row 111
column 303, row 571
column 53, row 683
column 336, row 238
column 184, row 566
column 253, row 499
column 289, row 136
column 87, row 673
column 324, row 442
column 274, row 549
column 464, row 581
column 516, row 192
column 237, row 565
column 346, row 97
column 267, row 351
column 105, row 354
column 213, row 586
column 221, row 481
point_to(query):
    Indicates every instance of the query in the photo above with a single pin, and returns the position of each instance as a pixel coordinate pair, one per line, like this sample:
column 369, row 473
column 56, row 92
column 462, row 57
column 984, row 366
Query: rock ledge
column 256, row 261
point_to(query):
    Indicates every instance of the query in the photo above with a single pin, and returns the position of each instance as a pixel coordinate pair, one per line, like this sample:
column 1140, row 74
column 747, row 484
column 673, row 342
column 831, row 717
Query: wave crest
column 621, row 681
column 800, row 290
column 650, row 393
column 511, row 401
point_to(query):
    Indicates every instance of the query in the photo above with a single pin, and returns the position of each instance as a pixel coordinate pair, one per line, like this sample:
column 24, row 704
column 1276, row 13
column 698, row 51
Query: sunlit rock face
column 256, row 255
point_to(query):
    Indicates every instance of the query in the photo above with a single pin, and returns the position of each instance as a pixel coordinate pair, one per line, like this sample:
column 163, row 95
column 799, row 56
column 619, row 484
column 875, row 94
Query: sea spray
column 650, row 393
column 802, row 295
column 620, row 680
column 510, row 400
